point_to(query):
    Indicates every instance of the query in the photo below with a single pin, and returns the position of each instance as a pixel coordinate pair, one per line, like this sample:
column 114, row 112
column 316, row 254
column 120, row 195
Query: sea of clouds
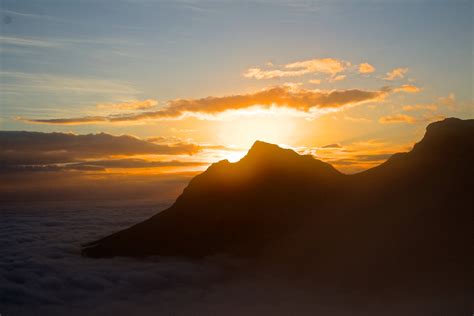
column 43, row 273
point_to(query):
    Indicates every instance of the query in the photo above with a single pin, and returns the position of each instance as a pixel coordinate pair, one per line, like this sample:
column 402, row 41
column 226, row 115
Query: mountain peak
column 448, row 123
column 260, row 146
column 266, row 150
column 448, row 134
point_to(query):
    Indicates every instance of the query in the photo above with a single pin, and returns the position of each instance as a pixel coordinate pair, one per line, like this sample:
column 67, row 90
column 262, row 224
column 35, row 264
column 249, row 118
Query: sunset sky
column 194, row 82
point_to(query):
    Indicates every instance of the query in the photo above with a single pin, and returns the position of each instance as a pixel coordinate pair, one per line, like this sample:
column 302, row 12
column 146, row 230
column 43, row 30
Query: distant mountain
column 407, row 220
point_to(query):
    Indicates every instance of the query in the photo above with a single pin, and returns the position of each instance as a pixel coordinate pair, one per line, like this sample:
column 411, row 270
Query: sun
column 243, row 131
column 234, row 156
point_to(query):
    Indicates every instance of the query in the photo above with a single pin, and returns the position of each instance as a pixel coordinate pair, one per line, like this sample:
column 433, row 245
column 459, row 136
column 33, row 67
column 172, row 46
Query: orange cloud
column 280, row 96
column 398, row 118
column 315, row 81
column 337, row 78
column 130, row 105
column 356, row 156
column 429, row 107
column 449, row 101
column 397, row 73
column 330, row 66
column 408, row 88
column 366, row 68
column 335, row 145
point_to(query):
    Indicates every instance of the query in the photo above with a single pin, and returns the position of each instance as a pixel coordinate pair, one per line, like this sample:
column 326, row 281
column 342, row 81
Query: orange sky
column 191, row 85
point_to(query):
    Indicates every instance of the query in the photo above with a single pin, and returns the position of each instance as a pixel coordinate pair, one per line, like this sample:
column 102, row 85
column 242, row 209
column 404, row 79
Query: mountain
column 406, row 221
column 231, row 208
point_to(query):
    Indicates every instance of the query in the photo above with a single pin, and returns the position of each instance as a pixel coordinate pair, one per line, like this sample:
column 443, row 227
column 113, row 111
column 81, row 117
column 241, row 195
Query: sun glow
column 242, row 132
column 234, row 156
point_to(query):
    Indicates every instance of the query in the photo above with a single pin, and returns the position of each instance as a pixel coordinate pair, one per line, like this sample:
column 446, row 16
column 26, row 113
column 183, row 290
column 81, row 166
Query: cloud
column 315, row 81
column 449, row 101
column 51, row 83
column 369, row 143
column 135, row 163
column 373, row 157
column 325, row 65
column 20, row 41
column 130, row 105
column 356, row 119
column 432, row 117
column 70, row 121
column 397, row 118
column 337, row 78
column 417, row 107
column 32, row 16
column 332, row 146
column 329, row 66
column 397, row 73
column 366, row 68
column 356, row 156
column 87, row 145
column 20, row 149
column 164, row 139
column 407, row 88
column 42, row 273
column 99, row 165
column 301, row 100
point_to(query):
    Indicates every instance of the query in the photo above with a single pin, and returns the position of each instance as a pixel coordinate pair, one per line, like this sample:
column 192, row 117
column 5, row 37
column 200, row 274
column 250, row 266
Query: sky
column 349, row 82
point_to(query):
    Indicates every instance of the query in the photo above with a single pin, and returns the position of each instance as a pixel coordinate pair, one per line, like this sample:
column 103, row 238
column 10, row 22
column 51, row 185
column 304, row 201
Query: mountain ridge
column 297, row 212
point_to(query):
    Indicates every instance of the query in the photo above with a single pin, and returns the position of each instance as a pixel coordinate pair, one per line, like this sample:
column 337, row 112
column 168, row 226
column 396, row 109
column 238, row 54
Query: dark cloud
column 332, row 146
column 4, row 168
column 90, row 145
column 99, row 165
column 51, row 183
column 373, row 157
column 57, row 166
column 29, row 150
column 356, row 160
column 164, row 139
column 135, row 163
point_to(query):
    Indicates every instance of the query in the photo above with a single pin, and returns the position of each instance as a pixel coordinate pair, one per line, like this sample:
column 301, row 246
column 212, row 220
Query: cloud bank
column 35, row 151
column 280, row 97
column 130, row 105
column 397, row 118
column 90, row 145
column 42, row 273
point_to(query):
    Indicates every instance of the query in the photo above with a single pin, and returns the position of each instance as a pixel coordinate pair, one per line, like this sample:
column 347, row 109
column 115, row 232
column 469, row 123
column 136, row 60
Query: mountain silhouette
column 406, row 221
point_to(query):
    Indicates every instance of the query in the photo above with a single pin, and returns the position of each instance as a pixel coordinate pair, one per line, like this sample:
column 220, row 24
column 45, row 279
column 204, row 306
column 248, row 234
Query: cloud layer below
column 42, row 273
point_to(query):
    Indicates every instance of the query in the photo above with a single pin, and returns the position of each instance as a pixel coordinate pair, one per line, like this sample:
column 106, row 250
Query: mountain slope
column 230, row 208
column 407, row 221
